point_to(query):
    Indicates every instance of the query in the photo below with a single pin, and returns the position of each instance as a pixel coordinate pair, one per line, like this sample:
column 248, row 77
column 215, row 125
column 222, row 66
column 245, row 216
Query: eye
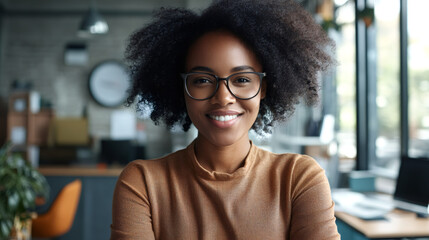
column 201, row 81
column 242, row 80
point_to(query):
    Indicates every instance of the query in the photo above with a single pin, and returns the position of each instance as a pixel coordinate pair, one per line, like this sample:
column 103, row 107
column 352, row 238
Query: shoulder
column 296, row 168
column 294, row 161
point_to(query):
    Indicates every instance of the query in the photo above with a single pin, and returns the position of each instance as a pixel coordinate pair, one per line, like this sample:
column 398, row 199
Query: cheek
column 254, row 104
column 252, row 110
column 192, row 108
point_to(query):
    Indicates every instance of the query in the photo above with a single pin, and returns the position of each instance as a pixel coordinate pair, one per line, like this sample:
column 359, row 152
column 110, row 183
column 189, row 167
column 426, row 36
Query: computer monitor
column 412, row 186
column 117, row 151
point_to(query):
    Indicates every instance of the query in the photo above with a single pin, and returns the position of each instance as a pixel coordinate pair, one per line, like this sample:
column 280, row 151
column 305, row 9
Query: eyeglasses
column 242, row 85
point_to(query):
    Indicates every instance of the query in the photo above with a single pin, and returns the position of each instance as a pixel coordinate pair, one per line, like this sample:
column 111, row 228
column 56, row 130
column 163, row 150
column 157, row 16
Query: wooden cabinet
column 27, row 124
column 29, row 129
column 38, row 127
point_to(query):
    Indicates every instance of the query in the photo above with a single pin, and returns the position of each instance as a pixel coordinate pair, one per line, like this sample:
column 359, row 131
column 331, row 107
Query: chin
column 224, row 139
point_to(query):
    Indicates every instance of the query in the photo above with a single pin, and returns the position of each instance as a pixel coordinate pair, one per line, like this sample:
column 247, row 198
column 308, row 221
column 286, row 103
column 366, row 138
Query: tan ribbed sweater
column 273, row 196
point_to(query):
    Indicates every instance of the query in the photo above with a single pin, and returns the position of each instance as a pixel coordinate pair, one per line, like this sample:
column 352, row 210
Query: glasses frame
column 218, row 79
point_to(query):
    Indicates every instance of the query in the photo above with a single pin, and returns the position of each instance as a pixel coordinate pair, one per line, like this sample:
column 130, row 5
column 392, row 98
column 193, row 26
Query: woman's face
column 223, row 119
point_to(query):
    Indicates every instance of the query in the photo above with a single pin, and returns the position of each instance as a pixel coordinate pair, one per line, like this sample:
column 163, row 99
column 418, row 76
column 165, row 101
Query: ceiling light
column 93, row 23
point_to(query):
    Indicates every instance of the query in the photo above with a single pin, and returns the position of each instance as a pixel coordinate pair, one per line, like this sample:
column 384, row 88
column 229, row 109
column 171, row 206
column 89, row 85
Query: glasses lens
column 244, row 85
column 200, row 85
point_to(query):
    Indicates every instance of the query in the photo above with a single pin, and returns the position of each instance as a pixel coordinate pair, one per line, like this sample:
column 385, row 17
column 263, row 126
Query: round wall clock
column 108, row 83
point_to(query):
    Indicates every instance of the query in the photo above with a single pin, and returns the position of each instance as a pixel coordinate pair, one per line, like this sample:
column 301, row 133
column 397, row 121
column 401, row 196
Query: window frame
column 366, row 109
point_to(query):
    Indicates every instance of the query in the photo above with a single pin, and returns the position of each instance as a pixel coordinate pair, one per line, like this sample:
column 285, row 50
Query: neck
column 225, row 159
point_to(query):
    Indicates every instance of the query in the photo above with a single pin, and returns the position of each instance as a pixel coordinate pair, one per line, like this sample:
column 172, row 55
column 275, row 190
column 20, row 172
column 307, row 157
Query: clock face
column 108, row 83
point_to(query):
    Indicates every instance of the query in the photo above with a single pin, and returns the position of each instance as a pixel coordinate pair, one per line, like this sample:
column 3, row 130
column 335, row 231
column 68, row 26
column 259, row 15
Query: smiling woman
column 224, row 73
column 223, row 119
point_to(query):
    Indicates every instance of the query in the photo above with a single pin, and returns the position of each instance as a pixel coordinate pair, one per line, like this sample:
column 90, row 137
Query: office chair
column 59, row 218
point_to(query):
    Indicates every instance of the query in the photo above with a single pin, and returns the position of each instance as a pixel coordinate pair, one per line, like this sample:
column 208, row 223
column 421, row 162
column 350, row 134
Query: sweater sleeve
column 312, row 207
column 131, row 214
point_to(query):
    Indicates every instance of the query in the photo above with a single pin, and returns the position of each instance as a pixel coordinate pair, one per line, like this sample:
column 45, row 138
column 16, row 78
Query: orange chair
column 59, row 218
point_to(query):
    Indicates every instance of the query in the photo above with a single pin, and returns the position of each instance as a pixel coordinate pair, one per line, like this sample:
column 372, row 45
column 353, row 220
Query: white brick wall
column 32, row 49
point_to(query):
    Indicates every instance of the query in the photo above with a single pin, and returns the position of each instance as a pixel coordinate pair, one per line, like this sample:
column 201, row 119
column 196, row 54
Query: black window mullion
column 361, row 90
column 371, row 94
column 403, row 25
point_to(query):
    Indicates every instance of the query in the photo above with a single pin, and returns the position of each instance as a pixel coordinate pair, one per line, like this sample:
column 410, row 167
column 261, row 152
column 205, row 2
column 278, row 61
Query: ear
column 263, row 89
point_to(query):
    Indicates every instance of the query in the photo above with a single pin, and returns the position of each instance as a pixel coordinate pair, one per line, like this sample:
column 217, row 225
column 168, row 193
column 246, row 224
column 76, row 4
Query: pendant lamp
column 93, row 23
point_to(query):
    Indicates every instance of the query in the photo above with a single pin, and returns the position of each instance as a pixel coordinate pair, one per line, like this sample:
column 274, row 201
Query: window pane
column 346, row 86
column 418, row 72
column 387, row 99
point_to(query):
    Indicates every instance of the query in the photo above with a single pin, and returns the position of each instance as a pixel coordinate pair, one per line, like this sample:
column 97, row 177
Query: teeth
column 223, row 118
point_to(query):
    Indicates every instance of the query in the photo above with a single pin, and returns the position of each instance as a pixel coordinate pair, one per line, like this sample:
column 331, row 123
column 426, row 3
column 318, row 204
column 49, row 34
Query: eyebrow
column 235, row 69
column 242, row 68
column 201, row 68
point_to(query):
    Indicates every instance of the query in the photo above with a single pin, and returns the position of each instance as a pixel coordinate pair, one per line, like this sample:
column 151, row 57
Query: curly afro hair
column 292, row 48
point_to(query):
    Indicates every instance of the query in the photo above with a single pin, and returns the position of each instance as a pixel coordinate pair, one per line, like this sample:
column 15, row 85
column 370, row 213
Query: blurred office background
column 374, row 104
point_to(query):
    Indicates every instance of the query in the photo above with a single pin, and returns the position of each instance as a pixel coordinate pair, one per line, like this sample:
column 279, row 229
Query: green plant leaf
column 13, row 200
column 20, row 183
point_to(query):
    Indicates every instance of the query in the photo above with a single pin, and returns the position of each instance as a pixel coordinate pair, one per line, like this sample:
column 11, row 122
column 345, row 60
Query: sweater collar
column 221, row 176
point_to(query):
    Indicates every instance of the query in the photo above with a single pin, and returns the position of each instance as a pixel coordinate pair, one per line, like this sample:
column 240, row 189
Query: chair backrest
column 59, row 218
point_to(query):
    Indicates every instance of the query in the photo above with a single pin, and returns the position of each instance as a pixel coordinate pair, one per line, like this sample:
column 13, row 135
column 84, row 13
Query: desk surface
column 80, row 171
column 397, row 224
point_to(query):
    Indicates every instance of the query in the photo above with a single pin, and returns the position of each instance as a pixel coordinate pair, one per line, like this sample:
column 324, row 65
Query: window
column 346, row 85
column 418, row 77
column 387, row 99
column 392, row 82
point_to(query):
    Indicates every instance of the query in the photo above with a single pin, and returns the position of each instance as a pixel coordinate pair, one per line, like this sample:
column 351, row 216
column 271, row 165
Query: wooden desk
column 80, row 171
column 398, row 224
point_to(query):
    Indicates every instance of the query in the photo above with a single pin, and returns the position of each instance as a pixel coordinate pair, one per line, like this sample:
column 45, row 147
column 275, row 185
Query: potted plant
column 20, row 185
column 367, row 15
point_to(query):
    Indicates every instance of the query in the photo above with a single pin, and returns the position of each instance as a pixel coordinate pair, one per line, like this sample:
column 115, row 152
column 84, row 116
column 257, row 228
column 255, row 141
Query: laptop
column 411, row 194
column 412, row 186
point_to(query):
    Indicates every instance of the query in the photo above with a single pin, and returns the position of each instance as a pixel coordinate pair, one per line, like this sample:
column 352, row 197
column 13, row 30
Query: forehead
column 221, row 51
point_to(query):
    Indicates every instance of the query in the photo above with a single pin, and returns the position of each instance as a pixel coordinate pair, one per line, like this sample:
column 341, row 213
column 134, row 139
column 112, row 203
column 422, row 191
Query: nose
column 223, row 96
